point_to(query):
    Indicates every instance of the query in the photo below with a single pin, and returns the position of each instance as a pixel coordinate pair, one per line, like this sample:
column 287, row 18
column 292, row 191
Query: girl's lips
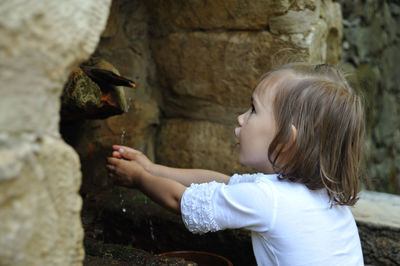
column 237, row 131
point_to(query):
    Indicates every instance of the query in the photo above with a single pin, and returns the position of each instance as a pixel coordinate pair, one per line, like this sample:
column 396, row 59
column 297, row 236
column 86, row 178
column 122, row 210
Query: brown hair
column 328, row 117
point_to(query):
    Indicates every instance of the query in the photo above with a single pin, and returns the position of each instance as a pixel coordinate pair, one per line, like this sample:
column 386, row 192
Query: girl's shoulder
column 284, row 190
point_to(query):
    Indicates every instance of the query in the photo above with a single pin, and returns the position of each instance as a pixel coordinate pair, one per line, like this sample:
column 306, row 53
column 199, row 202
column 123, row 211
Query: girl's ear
column 292, row 140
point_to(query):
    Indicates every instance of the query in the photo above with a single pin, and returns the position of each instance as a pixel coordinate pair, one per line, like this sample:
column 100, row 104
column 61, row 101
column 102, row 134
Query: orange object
column 90, row 150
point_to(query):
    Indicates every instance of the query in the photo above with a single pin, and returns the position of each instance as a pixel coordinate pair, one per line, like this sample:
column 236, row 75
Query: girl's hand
column 127, row 153
column 125, row 173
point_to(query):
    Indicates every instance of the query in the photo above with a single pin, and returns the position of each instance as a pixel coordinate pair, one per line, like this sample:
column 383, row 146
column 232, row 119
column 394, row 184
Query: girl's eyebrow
column 254, row 101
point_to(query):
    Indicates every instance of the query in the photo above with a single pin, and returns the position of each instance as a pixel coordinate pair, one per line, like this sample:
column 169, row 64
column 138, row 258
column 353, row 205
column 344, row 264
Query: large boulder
column 39, row 174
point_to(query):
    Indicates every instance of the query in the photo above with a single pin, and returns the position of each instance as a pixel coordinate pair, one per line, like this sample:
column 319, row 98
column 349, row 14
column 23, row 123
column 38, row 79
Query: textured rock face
column 204, row 142
column 221, row 68
column 39, row 173
column 206, row 15
column 40, row 206
column 371, row 53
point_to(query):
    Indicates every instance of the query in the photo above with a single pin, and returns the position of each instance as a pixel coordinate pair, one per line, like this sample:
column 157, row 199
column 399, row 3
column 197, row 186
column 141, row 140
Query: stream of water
column 123, row 135
column 129, row 104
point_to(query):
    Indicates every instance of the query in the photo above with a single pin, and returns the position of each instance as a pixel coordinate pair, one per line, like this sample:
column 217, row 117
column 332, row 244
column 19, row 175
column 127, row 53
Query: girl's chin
column 246, row 163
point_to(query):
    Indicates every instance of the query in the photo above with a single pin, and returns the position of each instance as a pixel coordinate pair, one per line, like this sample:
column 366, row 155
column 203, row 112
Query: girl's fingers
column 112, row 160
column 124, row 148
column 112, row 163
column 127, row 154
column 118, row 147
column 116, row 154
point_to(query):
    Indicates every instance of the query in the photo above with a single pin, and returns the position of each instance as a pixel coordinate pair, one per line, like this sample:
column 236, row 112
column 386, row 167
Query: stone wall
column 371, row 45
column 39, row 173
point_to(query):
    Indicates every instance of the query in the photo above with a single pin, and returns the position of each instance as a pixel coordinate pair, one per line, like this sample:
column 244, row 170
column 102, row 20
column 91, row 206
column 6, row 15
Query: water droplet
column 151, row 230
column 98, row 231
column 123, row 134
column 122, row 202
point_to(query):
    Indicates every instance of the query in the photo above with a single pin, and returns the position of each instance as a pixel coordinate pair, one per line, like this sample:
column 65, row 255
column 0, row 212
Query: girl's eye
column 253, row 110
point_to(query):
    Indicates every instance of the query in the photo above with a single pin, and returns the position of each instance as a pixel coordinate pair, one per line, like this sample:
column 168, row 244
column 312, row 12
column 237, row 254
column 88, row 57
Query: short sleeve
column 197, row 207
column 216, row 206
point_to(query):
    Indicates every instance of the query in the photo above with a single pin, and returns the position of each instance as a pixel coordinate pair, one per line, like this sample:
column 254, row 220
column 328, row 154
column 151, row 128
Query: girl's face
column 257, row 129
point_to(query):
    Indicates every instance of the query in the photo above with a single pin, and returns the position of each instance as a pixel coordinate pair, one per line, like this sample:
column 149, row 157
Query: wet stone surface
column 144, row 226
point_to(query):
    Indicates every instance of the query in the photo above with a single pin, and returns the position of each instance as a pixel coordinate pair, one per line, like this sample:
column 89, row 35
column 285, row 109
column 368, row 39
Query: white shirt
column 290, row 224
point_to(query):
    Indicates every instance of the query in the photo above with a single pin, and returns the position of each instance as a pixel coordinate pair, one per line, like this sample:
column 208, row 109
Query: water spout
column 94, row 90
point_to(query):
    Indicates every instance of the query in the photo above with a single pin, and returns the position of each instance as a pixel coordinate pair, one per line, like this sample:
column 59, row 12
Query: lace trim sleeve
column 245, row 178
column 197, row 208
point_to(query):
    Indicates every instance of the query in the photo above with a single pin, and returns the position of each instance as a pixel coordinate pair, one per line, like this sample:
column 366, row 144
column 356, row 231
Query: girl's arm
column 188, row 176
column 183, row 176
column 166, row 192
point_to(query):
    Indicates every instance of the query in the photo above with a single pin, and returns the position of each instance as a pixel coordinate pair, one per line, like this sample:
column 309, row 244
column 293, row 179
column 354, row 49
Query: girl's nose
column 241, row 119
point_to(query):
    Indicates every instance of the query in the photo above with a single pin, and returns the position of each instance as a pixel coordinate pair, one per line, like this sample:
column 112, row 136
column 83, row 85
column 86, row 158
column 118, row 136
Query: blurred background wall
column 371, row 48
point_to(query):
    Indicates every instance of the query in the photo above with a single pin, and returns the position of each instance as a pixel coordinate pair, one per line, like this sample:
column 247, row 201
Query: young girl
column 303, row 134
